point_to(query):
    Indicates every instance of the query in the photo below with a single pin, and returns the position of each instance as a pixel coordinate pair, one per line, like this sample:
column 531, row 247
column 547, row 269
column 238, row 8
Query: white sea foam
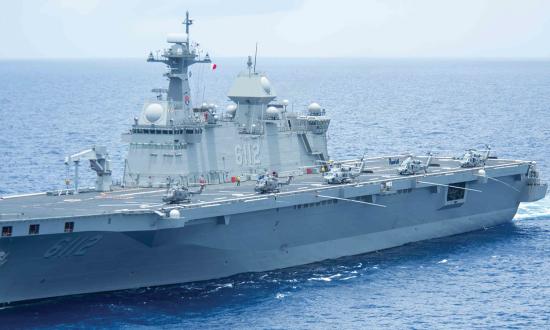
column 540, row 209
column 324, row 279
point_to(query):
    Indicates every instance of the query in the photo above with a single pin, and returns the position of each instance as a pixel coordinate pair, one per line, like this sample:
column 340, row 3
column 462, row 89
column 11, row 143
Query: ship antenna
column 187, row 23
column 255, row 57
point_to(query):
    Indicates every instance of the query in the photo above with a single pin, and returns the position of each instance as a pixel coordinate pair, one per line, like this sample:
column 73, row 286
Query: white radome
column 482, row 176
column 314, row 108
column 175, row 38
column 153, row 112
column 285, row 102
column 266, row 85
column 272, row 112
column 174, row 214
column 231, row 108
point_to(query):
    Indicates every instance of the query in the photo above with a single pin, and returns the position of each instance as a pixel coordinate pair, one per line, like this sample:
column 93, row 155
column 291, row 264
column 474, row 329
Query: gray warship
column 207, row 194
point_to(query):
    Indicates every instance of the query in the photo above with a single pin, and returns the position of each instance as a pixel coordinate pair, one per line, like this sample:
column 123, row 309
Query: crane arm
column 89, row 154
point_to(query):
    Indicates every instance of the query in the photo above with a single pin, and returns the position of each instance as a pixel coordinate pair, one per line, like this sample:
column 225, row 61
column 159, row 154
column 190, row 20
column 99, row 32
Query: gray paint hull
column 35, row 267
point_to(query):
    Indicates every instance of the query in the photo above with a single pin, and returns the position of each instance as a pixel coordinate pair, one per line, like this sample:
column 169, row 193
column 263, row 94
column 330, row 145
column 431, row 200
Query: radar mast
column 178, row 58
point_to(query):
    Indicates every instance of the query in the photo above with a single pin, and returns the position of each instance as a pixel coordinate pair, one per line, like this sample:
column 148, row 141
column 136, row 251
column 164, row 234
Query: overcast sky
column 283, row 28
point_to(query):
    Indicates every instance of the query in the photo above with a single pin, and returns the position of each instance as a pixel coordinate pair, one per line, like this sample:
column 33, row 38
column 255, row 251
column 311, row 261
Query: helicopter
column 474, row 158
column 412, row 166
column 269, row 183
column 180, row 194
column 340, row 173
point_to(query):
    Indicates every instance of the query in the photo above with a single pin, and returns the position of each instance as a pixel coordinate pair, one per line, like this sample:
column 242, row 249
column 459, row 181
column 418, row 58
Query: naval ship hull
column 296, row 232
column 125, row 236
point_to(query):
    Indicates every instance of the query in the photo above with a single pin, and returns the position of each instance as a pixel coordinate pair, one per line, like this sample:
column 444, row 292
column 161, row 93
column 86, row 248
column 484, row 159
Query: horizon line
column 144, row 58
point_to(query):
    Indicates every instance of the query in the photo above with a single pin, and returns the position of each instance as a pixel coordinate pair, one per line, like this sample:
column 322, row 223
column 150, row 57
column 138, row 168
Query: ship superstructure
column 172, row 138
column 267, row 196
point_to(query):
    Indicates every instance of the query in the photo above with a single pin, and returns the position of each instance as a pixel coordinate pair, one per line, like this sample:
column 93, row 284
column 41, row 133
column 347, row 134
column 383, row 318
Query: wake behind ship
column 207, row 194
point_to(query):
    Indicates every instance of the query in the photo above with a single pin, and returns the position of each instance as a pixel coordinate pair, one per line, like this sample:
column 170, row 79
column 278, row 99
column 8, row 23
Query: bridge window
column 34, row 229
column 6, row 231
column 69, row 227
column 456, row 192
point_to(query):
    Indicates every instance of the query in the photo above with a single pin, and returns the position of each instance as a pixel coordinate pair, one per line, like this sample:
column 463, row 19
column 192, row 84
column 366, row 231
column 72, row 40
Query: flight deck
column 122, row 200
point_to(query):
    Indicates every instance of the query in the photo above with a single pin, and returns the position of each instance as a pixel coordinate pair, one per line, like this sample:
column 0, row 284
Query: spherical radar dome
column 266, row 85
column 153, row 112
column 174, row 214
column 231, row 108
column 314, row 108
column 272, row 111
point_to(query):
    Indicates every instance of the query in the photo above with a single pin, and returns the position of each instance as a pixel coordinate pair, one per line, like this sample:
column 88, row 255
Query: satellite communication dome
column 174, row 214
column 272, row 112
column 266, row 85
column 482, row 176
column 153, row 112
column 285, row 102
column 314, row 109
column 176, row 38
column 231, row 108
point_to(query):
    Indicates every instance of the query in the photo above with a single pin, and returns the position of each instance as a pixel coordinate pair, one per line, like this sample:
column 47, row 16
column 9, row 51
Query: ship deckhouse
column 175, row 139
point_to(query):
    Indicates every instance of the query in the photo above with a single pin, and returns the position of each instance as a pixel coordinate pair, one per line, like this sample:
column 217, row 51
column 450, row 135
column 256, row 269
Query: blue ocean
column 495, row 278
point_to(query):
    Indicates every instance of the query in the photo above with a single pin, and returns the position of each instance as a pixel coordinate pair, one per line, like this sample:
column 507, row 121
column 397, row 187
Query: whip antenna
column 255, row 56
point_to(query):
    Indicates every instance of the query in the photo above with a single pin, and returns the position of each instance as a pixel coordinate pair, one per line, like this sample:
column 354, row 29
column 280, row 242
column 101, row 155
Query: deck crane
column 99, row 162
